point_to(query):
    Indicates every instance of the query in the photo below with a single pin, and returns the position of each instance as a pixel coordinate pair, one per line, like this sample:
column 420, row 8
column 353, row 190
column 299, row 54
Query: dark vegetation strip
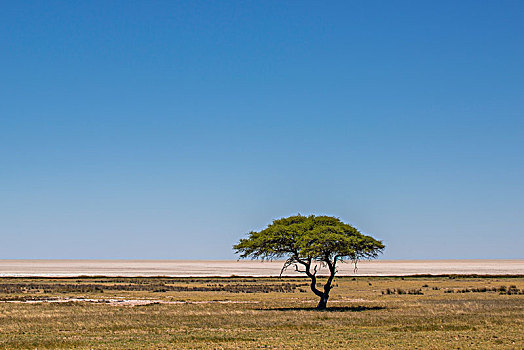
column 416, row 291
column 11, row 288
column 502, row 290
column 511, row 290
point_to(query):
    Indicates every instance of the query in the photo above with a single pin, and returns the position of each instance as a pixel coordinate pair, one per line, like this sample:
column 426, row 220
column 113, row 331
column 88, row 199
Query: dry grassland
column 448, row 312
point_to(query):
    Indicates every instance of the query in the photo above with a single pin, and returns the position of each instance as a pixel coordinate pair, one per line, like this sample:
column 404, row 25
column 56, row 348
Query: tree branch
column 287, row 264
column 313, row 278
column 297, row 270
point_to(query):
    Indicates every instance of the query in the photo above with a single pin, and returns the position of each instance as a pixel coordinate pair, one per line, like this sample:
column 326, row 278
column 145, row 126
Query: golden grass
column 360, row 315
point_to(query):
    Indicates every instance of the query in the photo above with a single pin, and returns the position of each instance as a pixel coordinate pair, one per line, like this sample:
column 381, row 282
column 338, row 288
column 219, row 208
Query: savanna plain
column 415, row 312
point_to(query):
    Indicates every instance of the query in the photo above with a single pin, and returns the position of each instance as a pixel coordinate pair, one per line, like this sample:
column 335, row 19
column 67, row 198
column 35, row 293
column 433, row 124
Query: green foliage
column 320, row 238
column 304, row 240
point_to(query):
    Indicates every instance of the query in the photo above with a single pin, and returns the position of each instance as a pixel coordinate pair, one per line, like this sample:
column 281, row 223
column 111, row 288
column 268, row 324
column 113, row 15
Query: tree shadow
column 329, row 309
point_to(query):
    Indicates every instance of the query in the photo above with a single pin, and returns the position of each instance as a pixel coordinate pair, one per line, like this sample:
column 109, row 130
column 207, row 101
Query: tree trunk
column 324, row 296
column 322, row 304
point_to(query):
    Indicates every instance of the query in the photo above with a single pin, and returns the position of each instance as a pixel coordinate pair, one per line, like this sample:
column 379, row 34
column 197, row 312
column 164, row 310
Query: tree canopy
column 307, row 240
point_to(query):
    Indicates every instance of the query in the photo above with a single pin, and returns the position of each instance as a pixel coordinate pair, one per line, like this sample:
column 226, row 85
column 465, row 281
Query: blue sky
column 161, row 129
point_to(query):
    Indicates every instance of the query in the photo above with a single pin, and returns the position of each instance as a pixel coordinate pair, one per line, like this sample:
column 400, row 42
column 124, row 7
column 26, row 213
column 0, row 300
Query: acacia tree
column 308, row 242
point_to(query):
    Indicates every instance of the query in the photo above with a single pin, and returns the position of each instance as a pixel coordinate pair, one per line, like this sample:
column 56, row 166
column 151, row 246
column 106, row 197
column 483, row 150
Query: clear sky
column 163, row 129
